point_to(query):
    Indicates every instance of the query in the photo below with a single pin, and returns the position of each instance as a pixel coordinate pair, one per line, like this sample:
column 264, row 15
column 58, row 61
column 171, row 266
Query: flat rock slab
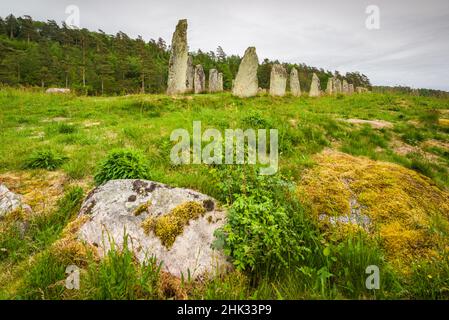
column 112, row 210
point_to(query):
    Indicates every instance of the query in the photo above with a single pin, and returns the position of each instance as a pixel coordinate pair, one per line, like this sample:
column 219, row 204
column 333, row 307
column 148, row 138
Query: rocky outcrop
column 295, row 86
column 246, row 83
column 199, row 79
column 173, row 224
column 278, row 80
column 177, row 67
column 315, row 90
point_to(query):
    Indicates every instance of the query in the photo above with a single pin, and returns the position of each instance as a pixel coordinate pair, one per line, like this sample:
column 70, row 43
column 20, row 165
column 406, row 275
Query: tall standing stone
column 177, row 67
column 220, row 82
column 190, row 74
column 246, row 83
column 213, row 81
column 278, row 80
column 330, row 86
column 295, row 86
column 351, row 88
column 345, row 87
column 315, row 90
column 199, row 79
column 338, row 88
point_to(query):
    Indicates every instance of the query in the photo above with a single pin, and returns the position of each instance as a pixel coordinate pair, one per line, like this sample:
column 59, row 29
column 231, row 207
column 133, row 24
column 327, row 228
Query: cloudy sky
column 411, row 47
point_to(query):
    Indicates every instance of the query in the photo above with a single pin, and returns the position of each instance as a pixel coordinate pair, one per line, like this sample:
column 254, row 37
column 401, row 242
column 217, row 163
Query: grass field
column 79, row 132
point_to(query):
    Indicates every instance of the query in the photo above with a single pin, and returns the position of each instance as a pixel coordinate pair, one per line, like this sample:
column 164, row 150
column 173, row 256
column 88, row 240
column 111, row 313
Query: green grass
column 75, row 135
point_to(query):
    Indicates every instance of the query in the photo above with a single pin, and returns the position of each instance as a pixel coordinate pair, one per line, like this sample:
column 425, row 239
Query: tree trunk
column 102, row 86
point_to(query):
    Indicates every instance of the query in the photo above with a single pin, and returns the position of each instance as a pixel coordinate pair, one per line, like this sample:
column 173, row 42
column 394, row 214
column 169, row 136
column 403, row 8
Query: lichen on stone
column 171, row 225
column 142, row 208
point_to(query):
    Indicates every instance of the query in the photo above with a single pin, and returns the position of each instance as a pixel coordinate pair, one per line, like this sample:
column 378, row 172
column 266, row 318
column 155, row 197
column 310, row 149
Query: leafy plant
column 122, row 164
column 48, row 159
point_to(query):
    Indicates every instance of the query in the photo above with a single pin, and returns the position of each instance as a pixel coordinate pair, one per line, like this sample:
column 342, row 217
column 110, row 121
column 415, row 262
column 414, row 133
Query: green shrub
column 65, row 128
column 122, row 164
column 48, row 159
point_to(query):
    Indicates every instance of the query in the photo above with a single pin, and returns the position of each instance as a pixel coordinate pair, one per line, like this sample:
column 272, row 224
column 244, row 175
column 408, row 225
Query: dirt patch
column 376, row 124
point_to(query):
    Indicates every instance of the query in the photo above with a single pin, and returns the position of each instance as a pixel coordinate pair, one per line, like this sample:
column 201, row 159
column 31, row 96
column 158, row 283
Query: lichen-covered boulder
column 174, row 225
column 295, row 86
column 10, row 201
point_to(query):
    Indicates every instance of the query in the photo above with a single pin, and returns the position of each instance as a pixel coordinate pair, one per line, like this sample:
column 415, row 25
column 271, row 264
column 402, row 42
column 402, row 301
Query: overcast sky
column 410, row 48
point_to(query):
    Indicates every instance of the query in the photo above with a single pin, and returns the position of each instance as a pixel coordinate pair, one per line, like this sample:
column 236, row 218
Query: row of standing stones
column 183, row 77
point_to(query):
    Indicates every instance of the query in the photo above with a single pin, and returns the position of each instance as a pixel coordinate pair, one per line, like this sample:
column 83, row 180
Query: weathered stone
column 351, row 88
column 213, row 81
column 345, row 87
column 220, row 82
column 111, row 214
column 246, row 83
column 338, row 87
column 177, row 67
column 10, row 201
column 261, row 91
column 295, row 86
column 199, row 79
column 57, row 90
column 315, row 90
column 190, row 75
column 278, row 80
column 330, row 86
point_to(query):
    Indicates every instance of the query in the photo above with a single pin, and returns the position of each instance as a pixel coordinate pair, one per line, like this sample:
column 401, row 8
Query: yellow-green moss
column 141, row 209
column 401, row 204
column 171, row 225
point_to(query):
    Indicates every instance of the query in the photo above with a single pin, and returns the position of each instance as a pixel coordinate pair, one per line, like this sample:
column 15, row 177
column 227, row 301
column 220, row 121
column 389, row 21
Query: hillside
column 389, row 152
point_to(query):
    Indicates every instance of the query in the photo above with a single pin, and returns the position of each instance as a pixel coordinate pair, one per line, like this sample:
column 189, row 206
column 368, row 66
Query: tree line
column 45, row 54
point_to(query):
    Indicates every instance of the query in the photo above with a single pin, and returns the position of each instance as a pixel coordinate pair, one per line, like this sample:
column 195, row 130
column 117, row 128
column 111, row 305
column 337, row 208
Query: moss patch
column 171, row 225
column 401, row 204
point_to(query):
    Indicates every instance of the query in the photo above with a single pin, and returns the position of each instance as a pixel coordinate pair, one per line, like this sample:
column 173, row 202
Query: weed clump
column 171, row 225
column 48, row 159
column 122, row 164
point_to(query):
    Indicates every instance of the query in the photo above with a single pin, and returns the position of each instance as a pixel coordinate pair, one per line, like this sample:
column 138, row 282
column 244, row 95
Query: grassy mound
column 406, row 211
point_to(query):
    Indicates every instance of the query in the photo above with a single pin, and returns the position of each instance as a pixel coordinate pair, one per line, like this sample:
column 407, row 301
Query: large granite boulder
column 177, row 66
column 173, row 224
column 213, row 81
column 330, row 86
column 278, row 80
column 246, row 83
column 345, row 87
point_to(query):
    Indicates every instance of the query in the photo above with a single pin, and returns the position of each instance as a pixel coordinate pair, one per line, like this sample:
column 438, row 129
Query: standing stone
column 351, row 88
column 190, row 74
column 199, row 79
column 246, row 83
column 177, row 67
column 278, row 80
column 345, row 87
column 338, row 88
column 220, row 82
column 213, row 81
column 330, row 86
column 315, row 90
column 295, row 86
